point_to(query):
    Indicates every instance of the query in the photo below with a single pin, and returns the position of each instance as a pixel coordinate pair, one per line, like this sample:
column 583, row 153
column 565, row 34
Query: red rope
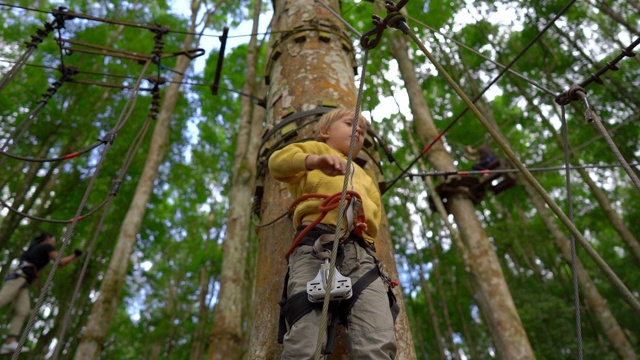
column 330, row 202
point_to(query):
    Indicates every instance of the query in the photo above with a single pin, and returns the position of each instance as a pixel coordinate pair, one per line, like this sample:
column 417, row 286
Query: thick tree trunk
column 105, row 306
column 226, row 338
column 310, row 65
column 491, row 290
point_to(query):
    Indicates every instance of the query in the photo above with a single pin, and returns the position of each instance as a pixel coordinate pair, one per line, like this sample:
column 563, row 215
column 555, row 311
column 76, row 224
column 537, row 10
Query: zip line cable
column 445, row 174
column 572, row 241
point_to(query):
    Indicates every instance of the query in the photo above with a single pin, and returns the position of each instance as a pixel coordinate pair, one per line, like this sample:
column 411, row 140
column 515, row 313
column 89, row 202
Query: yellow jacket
column 288, row 165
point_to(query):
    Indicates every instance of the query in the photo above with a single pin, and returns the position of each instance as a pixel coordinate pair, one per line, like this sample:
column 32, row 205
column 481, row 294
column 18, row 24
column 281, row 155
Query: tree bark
column 491, row 290
column 306, row 67
column 105, row 306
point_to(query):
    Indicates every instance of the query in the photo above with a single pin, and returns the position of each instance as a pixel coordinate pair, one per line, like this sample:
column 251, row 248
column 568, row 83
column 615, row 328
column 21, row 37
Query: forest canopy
column 116, row 139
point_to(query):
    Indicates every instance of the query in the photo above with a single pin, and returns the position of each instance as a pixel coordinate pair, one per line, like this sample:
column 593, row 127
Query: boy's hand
column 329, row 164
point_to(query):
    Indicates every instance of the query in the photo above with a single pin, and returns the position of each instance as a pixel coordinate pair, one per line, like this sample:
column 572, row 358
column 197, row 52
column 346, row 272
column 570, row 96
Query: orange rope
column 329, row 203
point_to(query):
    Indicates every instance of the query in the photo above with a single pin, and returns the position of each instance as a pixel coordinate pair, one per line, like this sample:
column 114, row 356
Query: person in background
column 486, row 158
column 16, row 285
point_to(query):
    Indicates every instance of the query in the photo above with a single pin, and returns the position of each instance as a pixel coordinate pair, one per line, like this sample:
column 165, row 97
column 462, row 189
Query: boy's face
column 338, row 135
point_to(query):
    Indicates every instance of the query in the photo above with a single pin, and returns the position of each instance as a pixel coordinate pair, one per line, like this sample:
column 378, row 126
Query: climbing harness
column 298, row 305
column 339, row 286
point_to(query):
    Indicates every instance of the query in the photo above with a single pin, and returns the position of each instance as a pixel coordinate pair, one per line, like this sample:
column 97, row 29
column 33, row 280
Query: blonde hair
column 329, row 118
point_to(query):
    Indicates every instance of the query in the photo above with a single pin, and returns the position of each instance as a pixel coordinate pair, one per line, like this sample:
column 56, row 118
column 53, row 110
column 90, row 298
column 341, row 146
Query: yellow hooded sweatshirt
column 288, row 165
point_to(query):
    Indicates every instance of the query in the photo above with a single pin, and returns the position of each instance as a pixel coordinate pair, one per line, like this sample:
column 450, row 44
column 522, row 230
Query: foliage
column 186, row 216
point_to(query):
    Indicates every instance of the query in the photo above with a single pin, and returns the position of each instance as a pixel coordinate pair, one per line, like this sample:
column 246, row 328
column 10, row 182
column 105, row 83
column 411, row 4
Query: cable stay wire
column 117, row 183
column 59, row 19
column 615, row 280
column 485, row 89
column 569, row 95
column 572, row 240
column 446, row 174
column 477, row 53
column 138, row 25
column 125, row 114
column 578, row 93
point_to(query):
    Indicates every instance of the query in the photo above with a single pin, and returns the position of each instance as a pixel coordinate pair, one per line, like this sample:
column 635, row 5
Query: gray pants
column 370, row 323
column 16, row 291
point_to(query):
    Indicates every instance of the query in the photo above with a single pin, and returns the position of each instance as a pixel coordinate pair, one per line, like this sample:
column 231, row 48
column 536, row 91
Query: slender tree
column 226, row 338
column 105, row 306
column 492, row 292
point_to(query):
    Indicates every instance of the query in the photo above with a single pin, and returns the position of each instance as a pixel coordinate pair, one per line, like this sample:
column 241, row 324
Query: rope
column 446, row 174
column 566, row 97
column 486, row 88
column 67, row 73
column 53, row 221
column 329, row 203
column 477, row 53
column 55, row 159
column 592, row 116
column 133, row 149
column 574, row 270
column 625, row 122
column 345, row 22
column 618, row 284
column 41, row 34
column 65, row 240
column 342, row 208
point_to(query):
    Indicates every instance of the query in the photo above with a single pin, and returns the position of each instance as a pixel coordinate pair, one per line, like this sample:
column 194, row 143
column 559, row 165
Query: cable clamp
column 393, row 19
column 109, row 138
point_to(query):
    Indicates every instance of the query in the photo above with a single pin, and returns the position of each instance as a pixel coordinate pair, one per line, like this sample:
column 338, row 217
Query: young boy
column 318, row 167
